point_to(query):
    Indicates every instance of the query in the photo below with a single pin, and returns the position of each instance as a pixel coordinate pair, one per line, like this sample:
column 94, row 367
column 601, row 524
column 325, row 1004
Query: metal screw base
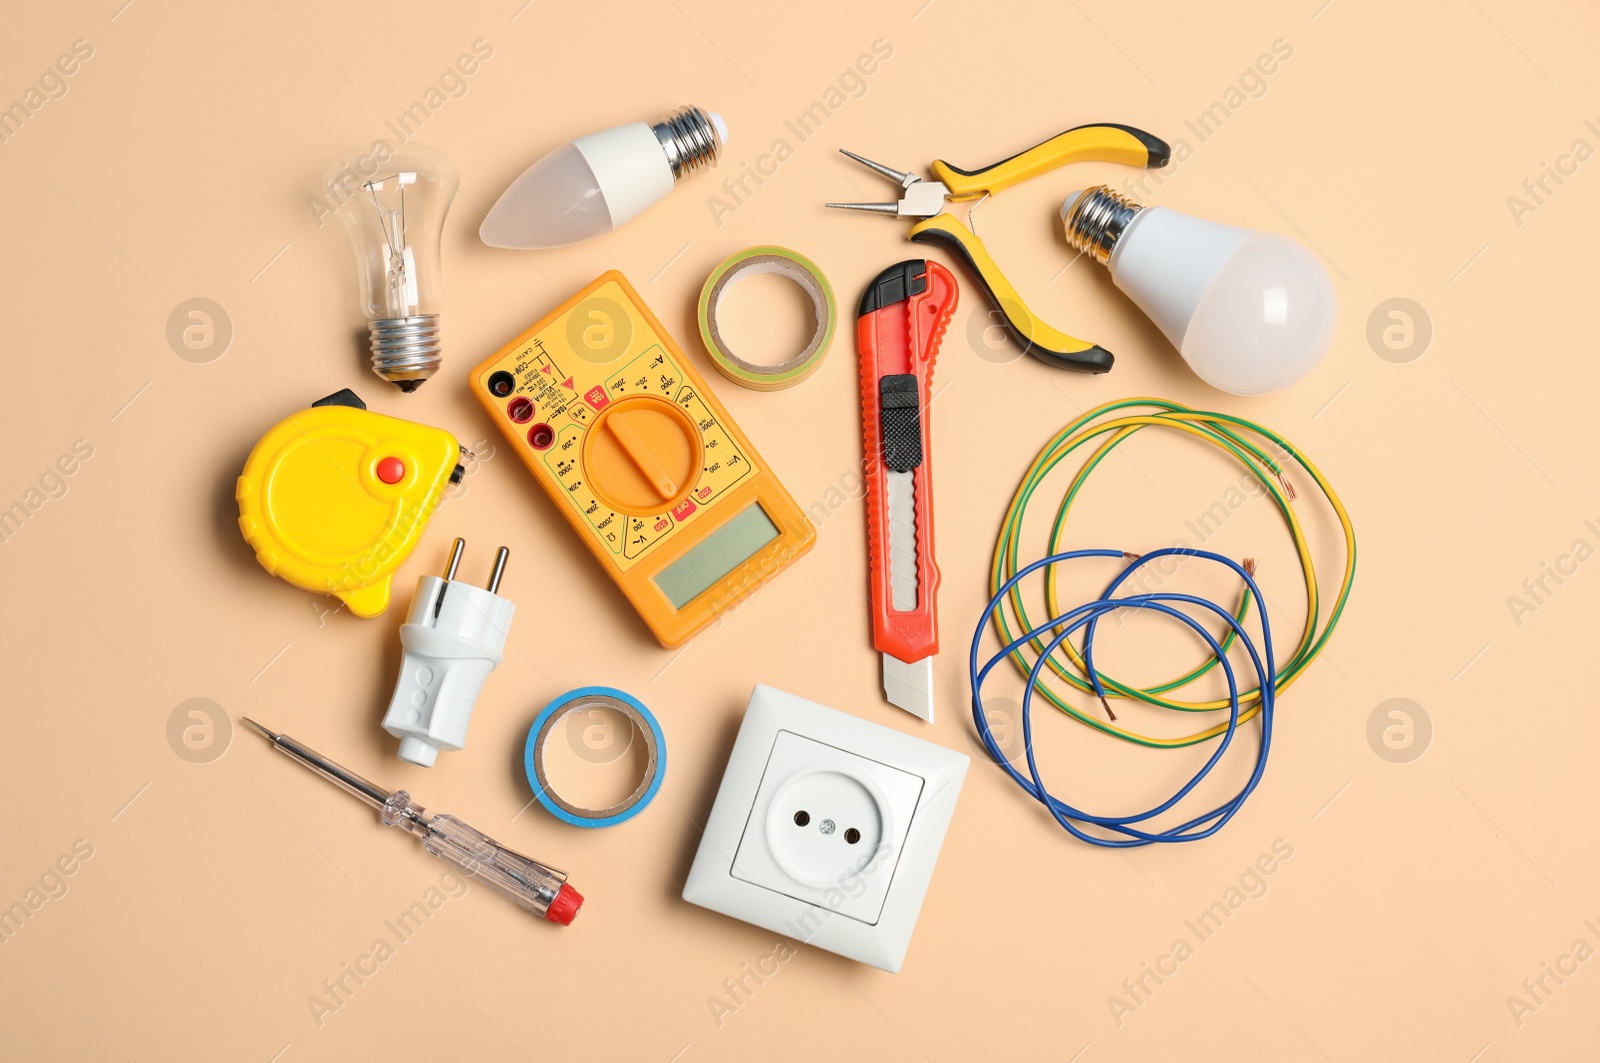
column 1097, row 219
column 406, row 350
column 689, row 138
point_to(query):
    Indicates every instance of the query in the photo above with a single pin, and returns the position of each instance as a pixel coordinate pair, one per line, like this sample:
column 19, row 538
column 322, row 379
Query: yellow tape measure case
column 641, row 459
column 334, row 498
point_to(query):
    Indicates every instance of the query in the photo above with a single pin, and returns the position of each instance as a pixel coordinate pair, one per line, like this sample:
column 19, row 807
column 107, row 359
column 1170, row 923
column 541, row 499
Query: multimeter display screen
column 717, row 555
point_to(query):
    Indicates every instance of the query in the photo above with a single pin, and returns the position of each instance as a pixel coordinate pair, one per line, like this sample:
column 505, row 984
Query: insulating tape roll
column 585, row 699
column 748, row 263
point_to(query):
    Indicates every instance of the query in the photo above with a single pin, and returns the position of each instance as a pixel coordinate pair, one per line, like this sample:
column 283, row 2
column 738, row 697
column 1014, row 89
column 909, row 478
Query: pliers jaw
column 922, row 199
column 925, row 199
column 905, row 180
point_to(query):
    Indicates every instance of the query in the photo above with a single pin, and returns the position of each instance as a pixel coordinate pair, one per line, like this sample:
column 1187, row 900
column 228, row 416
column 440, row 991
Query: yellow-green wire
column 1226, row 432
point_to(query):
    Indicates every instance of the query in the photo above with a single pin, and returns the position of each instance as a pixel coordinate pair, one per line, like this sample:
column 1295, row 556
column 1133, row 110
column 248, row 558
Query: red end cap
column 565, row 906
column 391, row 470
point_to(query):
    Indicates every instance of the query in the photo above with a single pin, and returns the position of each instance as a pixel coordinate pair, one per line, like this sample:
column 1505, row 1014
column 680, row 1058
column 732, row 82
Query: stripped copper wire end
column 1107, row 706
column 1288, row 488
column 1249, row 565
column 1130, row 557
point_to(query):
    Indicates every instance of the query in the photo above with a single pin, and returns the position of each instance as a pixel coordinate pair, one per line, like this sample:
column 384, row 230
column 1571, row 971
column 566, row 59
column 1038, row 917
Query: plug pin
column 499, row 568
column 455, row 559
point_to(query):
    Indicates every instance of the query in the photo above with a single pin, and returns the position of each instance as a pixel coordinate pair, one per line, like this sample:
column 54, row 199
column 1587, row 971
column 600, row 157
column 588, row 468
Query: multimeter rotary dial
column 641, row 455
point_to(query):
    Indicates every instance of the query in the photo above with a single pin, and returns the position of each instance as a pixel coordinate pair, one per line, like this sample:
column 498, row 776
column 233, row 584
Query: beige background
column 220, row 895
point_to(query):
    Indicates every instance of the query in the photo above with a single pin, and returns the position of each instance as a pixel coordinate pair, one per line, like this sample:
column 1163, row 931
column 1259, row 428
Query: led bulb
column 591, row 185
column 392, row 206
column 1251, row 312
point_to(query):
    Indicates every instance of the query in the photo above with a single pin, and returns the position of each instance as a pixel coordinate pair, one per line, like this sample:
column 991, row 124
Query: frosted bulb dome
column 557, row 201
column 1264, row 321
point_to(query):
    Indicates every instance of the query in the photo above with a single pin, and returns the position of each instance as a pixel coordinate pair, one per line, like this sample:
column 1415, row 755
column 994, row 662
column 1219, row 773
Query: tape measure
column 334, row 498
column 641, row 459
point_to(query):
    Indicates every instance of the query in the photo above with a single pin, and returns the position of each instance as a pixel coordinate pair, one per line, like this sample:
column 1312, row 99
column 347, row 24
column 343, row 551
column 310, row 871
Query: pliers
column 927, row 199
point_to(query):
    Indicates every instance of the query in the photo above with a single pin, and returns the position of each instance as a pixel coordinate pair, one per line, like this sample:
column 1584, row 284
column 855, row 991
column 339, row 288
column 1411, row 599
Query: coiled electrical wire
column 1044, row 653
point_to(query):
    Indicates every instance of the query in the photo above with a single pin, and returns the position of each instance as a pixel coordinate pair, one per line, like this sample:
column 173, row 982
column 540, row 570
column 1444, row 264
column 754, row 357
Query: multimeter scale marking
column 722, row 464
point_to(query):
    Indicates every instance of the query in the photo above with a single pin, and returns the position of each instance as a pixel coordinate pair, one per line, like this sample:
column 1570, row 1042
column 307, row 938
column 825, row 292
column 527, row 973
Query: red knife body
column 901, row 319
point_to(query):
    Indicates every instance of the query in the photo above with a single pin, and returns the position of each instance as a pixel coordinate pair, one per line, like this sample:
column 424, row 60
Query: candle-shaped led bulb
column 591, row 185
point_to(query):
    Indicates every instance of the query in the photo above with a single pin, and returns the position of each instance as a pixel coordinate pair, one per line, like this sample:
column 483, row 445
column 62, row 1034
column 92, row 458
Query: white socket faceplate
column 802, row 782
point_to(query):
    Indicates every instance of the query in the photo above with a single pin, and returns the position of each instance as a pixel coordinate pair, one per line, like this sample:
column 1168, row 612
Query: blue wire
column 1086, row 618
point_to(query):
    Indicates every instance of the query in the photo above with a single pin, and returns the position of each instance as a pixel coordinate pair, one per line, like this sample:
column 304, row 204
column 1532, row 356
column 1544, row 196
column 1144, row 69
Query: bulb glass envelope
column 392, row 205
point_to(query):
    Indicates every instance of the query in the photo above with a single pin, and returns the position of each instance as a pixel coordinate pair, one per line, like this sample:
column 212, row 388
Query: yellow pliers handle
column 1090, row 143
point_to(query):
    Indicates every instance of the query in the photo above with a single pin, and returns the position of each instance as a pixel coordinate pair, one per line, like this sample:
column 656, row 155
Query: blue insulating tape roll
column 576, row 701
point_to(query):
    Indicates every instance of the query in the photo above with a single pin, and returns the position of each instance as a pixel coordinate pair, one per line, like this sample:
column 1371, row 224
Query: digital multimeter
column 641, row 459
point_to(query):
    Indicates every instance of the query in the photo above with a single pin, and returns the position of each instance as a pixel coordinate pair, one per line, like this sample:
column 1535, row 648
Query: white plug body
column 453, row 638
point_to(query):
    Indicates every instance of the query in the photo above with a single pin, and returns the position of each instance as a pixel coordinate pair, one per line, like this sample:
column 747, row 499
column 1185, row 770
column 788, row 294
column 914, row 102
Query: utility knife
column 902, row 317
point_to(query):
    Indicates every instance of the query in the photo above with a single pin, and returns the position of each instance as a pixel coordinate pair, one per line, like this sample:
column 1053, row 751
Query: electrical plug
column 453, row 638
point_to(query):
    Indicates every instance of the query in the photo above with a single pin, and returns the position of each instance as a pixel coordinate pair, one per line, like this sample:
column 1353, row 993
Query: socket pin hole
column 852, row 836
column 801, row 818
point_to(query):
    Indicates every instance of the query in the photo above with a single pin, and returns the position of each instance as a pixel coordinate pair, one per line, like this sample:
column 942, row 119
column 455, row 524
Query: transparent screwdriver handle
column 540, row 889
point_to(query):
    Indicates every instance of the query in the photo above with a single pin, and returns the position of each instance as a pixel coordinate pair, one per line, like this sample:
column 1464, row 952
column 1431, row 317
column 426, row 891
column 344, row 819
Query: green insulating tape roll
column 785, row 263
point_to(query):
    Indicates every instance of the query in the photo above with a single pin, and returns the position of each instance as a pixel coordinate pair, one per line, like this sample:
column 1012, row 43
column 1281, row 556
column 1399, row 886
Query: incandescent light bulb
column 392, row 205
column 1251, row 312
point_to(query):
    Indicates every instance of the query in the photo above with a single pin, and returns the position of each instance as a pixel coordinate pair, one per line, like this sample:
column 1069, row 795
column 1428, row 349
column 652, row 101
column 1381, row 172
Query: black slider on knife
column 901, row 415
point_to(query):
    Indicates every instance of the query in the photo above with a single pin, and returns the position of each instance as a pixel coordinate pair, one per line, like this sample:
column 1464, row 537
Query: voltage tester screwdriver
column 537, row 887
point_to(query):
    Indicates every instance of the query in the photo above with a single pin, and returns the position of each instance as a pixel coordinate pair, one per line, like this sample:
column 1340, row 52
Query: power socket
column 820, row 818
column 834, row 825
